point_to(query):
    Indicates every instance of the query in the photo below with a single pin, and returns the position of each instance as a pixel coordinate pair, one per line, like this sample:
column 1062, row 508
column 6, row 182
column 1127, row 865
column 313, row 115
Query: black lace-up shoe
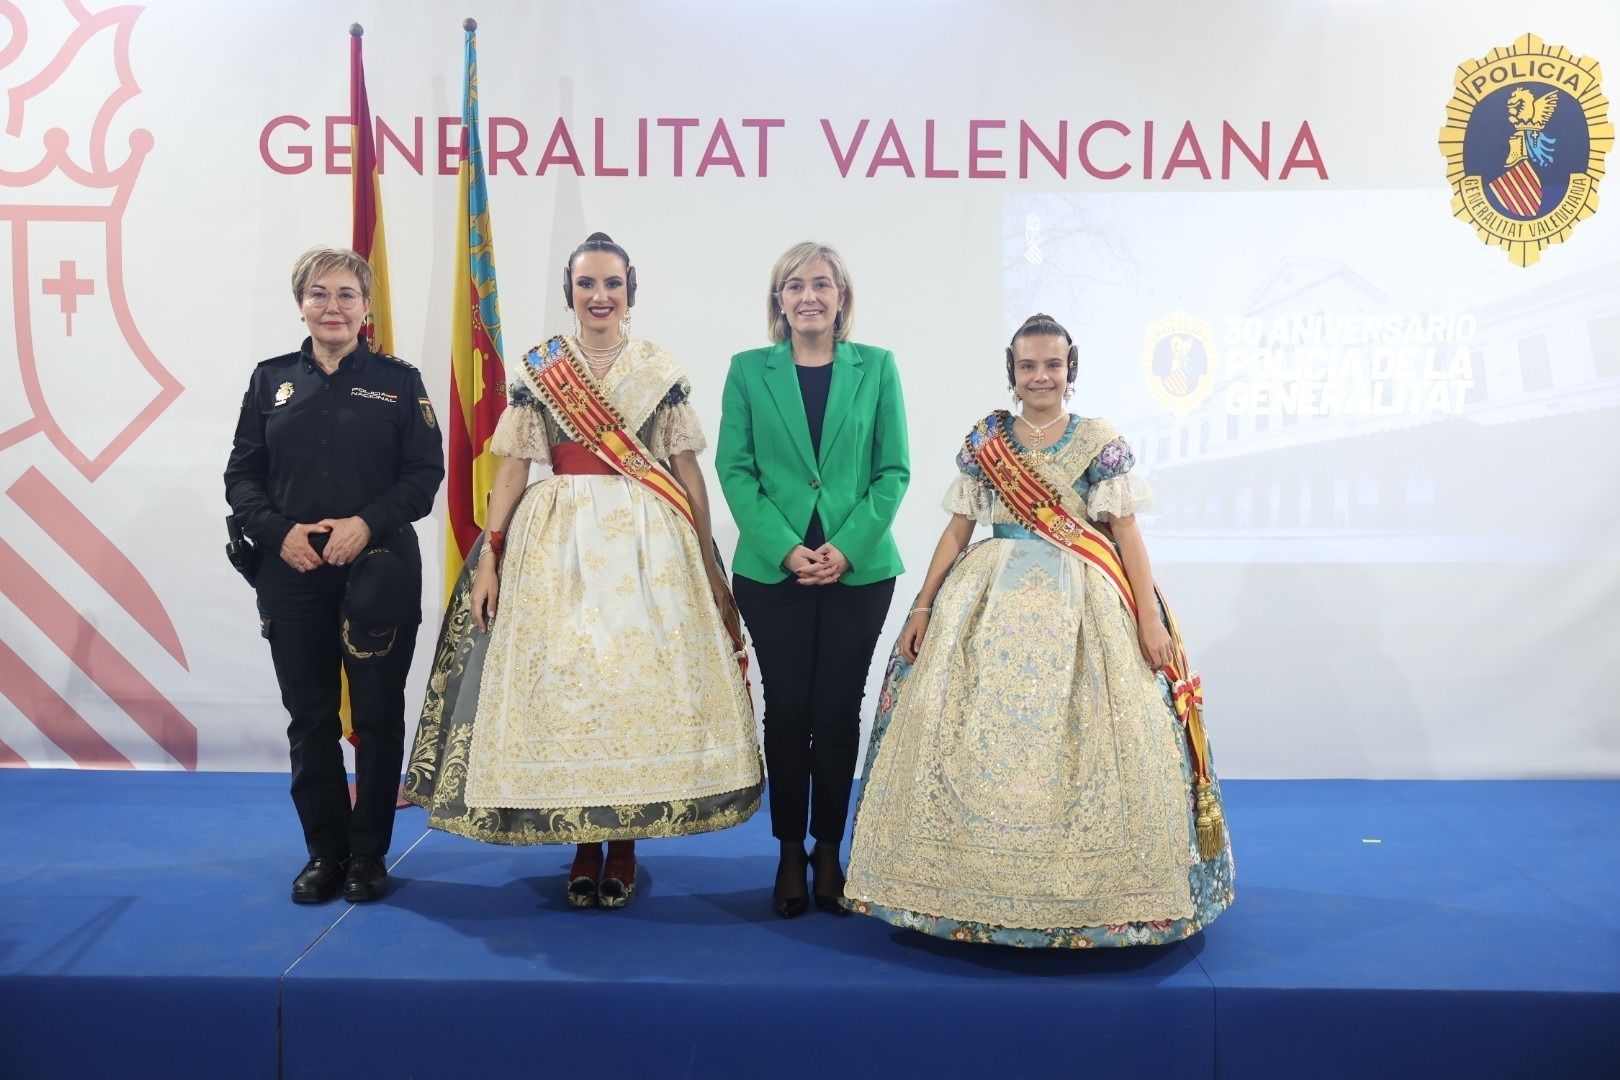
column 318, row 881
column 368, row 877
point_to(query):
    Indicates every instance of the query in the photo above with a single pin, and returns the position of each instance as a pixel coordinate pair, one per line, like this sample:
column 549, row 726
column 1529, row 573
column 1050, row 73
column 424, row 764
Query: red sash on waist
column 576, row 459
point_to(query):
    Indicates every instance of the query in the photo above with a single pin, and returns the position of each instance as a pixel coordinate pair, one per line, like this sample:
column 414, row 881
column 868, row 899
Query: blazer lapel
column 848, row 371
column 783, row 382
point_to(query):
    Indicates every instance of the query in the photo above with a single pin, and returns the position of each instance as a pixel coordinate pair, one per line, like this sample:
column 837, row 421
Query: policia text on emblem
column 1526, row 133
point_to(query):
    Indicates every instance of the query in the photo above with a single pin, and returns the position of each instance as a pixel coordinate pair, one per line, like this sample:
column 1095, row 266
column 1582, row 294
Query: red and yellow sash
column 580, row 407
column 1037, row 506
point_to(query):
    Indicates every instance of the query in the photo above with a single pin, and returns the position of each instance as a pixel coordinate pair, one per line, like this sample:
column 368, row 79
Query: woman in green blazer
column 813, row 461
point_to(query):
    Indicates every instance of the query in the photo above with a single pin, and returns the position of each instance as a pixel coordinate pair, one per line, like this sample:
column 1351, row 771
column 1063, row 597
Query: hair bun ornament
column 1042, row 323
column 599, row 236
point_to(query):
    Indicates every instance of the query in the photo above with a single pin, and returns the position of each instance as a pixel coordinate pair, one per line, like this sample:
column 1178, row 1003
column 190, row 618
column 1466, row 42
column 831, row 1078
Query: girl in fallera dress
column 587, row 685
column 1038, row 773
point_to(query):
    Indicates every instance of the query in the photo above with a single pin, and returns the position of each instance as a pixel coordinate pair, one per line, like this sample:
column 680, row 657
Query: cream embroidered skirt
column 1028, row 781
column 605, row 703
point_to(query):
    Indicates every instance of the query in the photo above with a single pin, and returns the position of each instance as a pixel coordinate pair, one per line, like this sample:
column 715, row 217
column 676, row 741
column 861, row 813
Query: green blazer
column 772, row 480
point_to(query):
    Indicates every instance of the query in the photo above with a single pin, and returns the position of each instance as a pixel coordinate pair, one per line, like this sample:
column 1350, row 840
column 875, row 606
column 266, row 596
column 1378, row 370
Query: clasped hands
column 346, row 538
column 823, row 566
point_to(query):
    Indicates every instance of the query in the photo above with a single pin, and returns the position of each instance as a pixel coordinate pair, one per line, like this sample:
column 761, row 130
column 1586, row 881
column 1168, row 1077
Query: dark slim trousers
column 814, row 644
column 303, row 615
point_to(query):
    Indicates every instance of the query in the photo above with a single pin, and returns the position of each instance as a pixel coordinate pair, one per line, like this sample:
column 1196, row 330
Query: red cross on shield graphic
column 75, row 333
column 86, row 384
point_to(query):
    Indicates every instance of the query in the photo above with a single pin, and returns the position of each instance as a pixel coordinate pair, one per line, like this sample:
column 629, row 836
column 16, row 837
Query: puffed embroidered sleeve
column 1110, row 488
column 523, row 430
column 970, row 494
column 675, row 427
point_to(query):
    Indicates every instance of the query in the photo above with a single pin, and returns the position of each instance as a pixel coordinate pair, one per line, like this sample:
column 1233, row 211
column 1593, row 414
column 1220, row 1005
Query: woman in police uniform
column 337, row 451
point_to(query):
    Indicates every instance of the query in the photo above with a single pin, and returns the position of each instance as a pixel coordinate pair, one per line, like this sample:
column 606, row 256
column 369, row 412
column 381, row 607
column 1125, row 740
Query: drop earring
column 575, row 314
column 624, row 324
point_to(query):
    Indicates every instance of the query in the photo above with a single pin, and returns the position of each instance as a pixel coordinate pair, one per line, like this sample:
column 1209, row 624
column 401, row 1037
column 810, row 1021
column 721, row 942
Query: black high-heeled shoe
column 790, row 871
column 824, row 861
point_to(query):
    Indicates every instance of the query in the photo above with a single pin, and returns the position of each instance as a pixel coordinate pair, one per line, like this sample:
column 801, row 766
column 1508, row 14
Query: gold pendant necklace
column 1038, row 432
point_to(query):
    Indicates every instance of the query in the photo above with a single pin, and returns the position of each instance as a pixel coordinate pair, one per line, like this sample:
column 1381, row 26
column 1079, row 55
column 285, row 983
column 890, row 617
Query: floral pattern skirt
column 1028, row 781
column 605, row 702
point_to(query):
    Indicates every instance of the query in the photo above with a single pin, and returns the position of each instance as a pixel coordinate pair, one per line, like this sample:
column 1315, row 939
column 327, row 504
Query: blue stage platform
column 145, row 931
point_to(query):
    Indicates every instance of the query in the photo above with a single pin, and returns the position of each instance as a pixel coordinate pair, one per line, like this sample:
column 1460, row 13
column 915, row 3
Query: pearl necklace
column 1038, row 432
column 601, row 361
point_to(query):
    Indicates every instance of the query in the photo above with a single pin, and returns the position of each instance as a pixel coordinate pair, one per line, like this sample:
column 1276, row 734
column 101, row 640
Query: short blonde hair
column 793, row 260
column 318, row 261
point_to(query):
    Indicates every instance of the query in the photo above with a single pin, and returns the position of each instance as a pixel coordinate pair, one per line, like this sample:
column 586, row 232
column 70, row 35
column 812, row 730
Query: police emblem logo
column 1526, row 132
column 1179, row 358
column 427, row 412
column 284, row 394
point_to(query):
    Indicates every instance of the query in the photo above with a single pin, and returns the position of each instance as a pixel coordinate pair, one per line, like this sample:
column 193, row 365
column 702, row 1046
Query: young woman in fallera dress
column 586, row 687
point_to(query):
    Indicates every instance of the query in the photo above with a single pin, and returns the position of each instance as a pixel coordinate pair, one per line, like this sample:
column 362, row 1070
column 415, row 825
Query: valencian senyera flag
column 477, row 388
column 366, row 188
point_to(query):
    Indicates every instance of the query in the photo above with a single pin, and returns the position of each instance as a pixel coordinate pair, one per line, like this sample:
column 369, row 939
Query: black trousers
column 814, row 644
column 303, row 620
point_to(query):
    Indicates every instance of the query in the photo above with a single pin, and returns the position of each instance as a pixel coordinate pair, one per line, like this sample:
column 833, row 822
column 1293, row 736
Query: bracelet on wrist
column 924, row 610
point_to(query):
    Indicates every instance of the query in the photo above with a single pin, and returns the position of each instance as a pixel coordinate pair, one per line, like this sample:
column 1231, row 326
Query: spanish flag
column 366, row 188
column 477, row 388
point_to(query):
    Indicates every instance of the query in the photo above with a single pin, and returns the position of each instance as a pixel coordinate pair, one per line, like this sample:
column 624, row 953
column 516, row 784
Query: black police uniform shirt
column 363, row 441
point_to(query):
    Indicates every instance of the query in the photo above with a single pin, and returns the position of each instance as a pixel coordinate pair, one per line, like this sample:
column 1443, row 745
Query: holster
column 243, row 553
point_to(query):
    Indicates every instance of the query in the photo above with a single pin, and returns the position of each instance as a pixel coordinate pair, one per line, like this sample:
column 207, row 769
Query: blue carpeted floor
column 145, row 931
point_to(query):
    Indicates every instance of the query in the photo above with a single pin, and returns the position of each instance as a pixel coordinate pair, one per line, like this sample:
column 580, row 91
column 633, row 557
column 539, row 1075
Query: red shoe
column 582, row 887
column 619, row 875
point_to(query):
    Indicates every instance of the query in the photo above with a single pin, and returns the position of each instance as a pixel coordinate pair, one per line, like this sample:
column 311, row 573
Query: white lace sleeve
column 521, row 432
column 970, row 497
column 1119, row 496
column 675, row 429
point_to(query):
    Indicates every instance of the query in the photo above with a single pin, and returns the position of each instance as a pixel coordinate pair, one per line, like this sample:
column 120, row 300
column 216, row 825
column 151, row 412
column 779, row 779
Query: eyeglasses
column 347, row 299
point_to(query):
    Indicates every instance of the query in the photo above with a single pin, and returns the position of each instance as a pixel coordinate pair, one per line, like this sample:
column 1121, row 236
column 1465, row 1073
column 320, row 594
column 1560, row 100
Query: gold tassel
column 1210, row 821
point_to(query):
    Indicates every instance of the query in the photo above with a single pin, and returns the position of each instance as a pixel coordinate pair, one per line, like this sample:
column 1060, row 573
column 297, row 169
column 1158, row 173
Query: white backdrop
column 1430, row 592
